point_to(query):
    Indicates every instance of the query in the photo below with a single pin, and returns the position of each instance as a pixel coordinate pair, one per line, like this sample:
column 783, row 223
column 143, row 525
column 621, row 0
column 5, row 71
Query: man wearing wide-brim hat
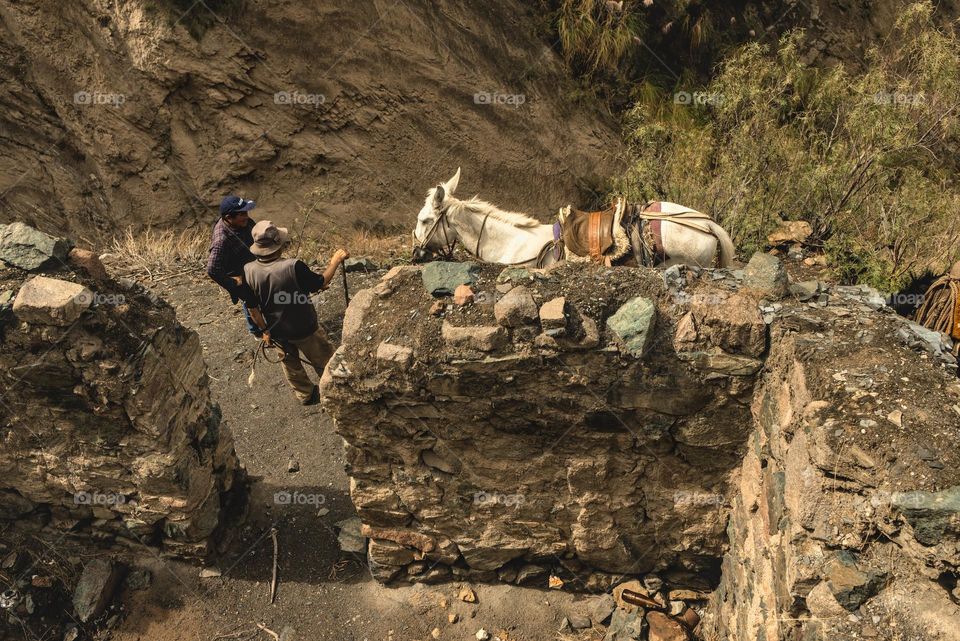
column 286, row 315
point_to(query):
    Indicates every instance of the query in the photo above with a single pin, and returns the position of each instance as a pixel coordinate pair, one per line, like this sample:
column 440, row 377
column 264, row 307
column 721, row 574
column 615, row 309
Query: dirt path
column 323, row 593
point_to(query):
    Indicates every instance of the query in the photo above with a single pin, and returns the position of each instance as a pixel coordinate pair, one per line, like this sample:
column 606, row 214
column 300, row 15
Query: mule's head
column 431, row 233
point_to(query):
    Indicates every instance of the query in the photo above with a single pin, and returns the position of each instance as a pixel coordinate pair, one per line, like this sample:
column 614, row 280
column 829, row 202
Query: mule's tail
column 727, row 250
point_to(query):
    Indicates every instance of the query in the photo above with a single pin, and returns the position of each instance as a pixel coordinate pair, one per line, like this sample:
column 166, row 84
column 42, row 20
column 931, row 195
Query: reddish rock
column 87, row 262
column 463, row 295
column 665, row 628
column 438, row 308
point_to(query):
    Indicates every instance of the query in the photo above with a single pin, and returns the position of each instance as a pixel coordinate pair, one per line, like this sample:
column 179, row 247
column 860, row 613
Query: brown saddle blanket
column 592, row 233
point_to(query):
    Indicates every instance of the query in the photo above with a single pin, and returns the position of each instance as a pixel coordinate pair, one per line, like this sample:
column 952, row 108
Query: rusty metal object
column 635, row 598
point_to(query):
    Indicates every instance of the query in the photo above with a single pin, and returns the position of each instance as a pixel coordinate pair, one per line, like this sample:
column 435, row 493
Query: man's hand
column 266, row 339
column 340, row 255
column 237, row 280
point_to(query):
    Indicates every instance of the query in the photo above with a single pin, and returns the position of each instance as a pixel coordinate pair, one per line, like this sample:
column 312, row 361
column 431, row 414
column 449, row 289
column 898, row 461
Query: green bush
column 869, row 158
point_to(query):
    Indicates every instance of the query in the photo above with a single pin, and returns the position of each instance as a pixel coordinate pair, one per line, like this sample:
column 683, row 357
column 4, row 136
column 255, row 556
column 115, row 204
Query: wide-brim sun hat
column 268, row 238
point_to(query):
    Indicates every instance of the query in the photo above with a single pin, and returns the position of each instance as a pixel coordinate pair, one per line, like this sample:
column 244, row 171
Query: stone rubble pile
column 107, row 427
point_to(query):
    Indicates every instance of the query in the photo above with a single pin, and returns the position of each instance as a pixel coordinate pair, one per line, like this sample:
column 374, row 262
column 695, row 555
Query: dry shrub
column 869, row 158
column 158, row 252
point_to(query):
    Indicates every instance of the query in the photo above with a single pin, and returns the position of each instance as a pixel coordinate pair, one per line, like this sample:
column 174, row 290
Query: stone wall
column 653, row 424
column 106, row 423
column 552, row 425
column 845, row 519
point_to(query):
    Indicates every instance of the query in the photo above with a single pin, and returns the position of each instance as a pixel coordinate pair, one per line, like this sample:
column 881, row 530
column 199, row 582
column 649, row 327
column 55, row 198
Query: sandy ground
column 323, row 593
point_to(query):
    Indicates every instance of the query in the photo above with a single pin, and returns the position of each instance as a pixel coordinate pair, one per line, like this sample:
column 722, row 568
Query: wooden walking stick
column 346, row 291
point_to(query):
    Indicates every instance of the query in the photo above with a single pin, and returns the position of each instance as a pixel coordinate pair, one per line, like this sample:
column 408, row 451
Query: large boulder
column 443, row 278
column 50, row 301
column 30, row 249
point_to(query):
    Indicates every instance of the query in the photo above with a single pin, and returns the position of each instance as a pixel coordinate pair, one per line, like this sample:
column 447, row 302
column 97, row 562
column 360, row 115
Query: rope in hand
column 261, row 351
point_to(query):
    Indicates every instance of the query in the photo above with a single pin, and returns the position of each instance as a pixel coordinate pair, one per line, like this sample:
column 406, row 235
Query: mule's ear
column 451, row 185
column 439, row 195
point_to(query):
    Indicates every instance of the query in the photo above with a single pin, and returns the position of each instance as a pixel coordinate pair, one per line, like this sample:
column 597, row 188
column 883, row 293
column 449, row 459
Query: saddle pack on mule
column 624, row 229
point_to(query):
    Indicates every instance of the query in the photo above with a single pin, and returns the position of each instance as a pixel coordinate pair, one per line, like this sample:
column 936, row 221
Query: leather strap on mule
column 593, row 236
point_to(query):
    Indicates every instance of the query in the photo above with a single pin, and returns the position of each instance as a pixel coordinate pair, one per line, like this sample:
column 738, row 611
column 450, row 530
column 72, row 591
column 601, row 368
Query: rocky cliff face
column 844, row 523
column 106, row 424
column 112, row 113
column 787, row 444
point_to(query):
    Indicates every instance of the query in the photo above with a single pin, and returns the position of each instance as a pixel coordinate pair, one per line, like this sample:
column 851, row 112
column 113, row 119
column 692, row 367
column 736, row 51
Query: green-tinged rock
column 443, row 278
column 633, row 324
column 765, row 273
column 6, row 299
column 625, row 626
column 932, row 514
column 27, row 248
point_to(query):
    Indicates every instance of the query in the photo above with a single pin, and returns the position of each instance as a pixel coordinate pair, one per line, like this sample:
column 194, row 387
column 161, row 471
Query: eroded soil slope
column 112, row 113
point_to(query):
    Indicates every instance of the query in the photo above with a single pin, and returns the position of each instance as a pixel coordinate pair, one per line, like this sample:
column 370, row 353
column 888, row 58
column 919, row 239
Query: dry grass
column 157, row 253
column 382, row 248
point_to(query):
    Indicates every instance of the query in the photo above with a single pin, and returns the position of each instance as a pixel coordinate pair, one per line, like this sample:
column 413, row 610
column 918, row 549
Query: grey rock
column 139, row 579
column 933, row 515
column 633, row 324
column 6, row 299
column 350, row 538
column 625, row 626
column 97, row 585
column 806, row 290
column 443, row 278
column 359, row 265
column 27, row 248
column 766, row 274
column 673, row 278
column 579, row 622
column 600, row 607
column 516, row 308
column 530, row 574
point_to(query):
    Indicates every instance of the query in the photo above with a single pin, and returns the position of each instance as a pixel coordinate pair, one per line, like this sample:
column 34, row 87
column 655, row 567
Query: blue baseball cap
column 235, row 205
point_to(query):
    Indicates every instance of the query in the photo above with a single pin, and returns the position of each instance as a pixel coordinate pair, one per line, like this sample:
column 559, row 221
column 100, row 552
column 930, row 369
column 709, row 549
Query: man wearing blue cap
column 230, row 251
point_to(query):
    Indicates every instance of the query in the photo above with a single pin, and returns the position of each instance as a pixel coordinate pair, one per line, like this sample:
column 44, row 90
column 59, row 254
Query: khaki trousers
column 316, row 349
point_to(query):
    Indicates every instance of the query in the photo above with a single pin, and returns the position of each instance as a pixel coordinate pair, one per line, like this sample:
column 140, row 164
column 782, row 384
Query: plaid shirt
column 229, row 252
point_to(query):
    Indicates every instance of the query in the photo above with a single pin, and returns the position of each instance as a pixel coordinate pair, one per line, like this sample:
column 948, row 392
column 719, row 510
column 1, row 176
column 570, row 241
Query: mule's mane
column 483, row 208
